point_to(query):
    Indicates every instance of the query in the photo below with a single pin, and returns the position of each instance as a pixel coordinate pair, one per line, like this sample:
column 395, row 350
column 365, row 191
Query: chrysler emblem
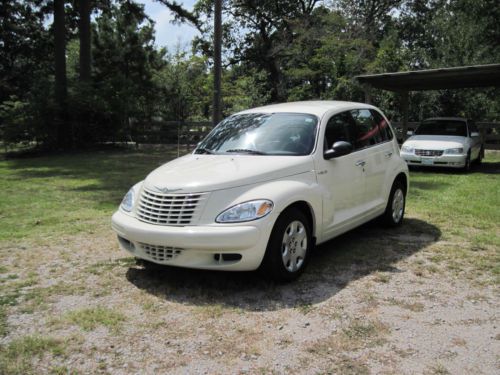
column 165, row 189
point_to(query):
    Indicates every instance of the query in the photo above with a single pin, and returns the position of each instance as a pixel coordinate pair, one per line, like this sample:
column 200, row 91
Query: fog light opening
column 126, row 244
column 227, row 257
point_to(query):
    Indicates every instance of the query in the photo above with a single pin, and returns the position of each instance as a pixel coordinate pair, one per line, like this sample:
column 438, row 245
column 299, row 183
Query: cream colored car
column 265, row 186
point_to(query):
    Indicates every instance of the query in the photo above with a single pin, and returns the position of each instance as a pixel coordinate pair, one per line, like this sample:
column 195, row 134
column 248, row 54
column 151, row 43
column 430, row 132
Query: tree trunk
column 84, row 33
column 216, row 117
column 62, row 136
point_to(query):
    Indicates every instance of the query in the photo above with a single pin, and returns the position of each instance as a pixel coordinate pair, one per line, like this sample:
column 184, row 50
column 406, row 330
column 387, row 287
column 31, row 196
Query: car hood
column 435, row 142
column 202, row 173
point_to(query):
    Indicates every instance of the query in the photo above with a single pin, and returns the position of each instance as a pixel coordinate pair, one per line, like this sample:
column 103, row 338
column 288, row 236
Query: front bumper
column 218, row 247
column 448, row 161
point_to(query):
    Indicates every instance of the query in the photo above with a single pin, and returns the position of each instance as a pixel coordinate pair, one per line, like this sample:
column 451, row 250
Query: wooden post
column 216, row 116
column 404, row 109
column 368, row 93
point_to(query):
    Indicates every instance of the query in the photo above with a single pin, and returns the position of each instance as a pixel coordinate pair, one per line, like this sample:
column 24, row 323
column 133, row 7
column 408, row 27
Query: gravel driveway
column 374, row 300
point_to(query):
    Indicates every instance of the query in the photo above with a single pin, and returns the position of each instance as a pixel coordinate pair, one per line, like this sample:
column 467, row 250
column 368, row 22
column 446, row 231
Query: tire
column 467, row 165
column 395, row 209
column 289, row 246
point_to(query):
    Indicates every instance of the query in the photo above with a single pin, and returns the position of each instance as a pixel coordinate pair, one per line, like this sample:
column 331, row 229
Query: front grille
column 169, row 209
column 161, row 253
column 428, row 152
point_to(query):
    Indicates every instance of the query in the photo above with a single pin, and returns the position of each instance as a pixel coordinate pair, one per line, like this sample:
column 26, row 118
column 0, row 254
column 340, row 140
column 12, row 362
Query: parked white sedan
column 444, row 142
column 266, row 185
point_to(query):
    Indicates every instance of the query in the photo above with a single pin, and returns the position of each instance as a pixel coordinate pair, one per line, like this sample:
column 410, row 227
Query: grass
column 466, row 205
column 465, row 209
column 355, row 336
column 90, row 319
column 17, row 356
column 3, row 322
column 49, row 196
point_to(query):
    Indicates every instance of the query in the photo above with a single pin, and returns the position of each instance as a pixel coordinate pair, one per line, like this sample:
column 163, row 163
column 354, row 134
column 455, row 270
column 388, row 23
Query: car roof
column 445, row 119
column 314, row 107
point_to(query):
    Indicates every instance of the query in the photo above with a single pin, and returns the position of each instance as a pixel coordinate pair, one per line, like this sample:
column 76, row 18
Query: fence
column 188, row 134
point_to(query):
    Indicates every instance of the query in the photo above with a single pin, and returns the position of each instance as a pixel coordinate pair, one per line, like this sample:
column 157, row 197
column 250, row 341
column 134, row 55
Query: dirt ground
column 374, row 301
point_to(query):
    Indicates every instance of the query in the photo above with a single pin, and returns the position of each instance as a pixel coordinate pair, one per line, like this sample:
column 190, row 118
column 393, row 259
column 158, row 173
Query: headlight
column 407, row 149
column 128, row 201
column 454, row 151
column 246, row 211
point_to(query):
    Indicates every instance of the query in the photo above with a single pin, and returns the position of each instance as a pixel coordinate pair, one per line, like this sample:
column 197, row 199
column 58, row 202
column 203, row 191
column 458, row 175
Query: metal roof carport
column 430, row 79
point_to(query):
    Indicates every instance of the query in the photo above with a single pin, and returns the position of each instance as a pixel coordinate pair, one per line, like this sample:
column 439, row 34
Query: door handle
column 360, row 163
column 388, row 154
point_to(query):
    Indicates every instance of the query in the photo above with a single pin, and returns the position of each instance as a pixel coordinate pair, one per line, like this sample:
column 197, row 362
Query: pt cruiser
column 265, row 186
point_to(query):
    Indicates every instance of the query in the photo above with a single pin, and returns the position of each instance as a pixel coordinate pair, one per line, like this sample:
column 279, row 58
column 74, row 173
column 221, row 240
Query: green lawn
column 50, row 196
column 467, row 205
column 66, row 194
column 46, row 197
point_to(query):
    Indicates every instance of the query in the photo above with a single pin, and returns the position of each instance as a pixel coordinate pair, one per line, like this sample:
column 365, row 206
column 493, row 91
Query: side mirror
column 409, row 133
column 474, row 134
column 339, row 148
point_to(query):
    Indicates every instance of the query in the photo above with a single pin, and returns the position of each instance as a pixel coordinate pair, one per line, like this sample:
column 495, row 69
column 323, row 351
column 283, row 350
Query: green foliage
column 273, row 51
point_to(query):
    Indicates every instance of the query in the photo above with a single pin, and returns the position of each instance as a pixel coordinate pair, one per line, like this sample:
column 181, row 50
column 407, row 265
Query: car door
column 342, row 178
column 375, row 136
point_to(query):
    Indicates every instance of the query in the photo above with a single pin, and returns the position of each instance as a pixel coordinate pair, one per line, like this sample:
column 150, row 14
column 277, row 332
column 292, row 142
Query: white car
column 444, row 142
column 265, row 186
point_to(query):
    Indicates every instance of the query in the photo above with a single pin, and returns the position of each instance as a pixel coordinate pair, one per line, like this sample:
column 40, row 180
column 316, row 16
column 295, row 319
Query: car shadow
column 333, row 265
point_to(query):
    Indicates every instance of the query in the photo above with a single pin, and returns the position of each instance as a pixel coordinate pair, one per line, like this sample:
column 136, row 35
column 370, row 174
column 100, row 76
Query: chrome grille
column 428, row 152
column 160, row 253
column 169, row 209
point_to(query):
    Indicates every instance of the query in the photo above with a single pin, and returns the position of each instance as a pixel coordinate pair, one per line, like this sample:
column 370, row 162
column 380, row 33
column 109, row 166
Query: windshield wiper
column 204, row 151
column 246, row 151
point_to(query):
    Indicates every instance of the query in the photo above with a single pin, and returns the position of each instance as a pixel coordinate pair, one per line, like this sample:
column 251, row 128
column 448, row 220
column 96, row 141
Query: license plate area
column 427, row 161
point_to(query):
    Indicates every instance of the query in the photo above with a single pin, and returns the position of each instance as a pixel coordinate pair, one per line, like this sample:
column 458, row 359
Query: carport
column 430, row 79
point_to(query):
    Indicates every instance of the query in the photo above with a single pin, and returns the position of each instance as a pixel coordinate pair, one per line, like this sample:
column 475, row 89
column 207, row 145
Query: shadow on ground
column 333, row 266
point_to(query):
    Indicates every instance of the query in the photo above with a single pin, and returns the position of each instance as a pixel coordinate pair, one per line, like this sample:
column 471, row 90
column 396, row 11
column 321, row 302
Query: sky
column 167, row 34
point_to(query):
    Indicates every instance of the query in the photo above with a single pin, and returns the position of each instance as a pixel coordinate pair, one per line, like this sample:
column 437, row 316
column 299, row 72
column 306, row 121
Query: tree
column 84, row 33
column 125, row 60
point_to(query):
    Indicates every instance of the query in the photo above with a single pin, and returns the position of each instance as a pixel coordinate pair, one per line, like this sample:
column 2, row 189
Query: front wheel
column 395, row 209
column 289, row 246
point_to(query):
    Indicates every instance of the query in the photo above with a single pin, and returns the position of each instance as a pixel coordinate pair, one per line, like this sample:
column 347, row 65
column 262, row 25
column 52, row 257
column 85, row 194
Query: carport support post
column 368, row 93
column 404, row 109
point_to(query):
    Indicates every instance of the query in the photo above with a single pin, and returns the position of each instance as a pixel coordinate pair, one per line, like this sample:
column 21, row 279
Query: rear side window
column 367, row 130
column 385, row 129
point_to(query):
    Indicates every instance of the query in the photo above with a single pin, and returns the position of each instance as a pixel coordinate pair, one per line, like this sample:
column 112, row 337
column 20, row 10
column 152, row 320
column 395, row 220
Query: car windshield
column 262, row 134
column 442, row 127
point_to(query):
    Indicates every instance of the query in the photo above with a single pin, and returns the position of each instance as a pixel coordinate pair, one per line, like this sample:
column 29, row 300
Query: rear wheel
column 287, row 252
column 395, row 209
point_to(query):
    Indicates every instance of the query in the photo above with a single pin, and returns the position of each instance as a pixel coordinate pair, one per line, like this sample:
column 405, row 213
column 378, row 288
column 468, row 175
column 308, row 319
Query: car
column 444, row 142
column 264, row 187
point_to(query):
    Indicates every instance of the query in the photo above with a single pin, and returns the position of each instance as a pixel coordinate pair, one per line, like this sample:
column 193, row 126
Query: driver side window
column 339, row 128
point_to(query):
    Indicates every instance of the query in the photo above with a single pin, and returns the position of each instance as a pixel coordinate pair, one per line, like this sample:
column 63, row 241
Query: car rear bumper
column 218, row 247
